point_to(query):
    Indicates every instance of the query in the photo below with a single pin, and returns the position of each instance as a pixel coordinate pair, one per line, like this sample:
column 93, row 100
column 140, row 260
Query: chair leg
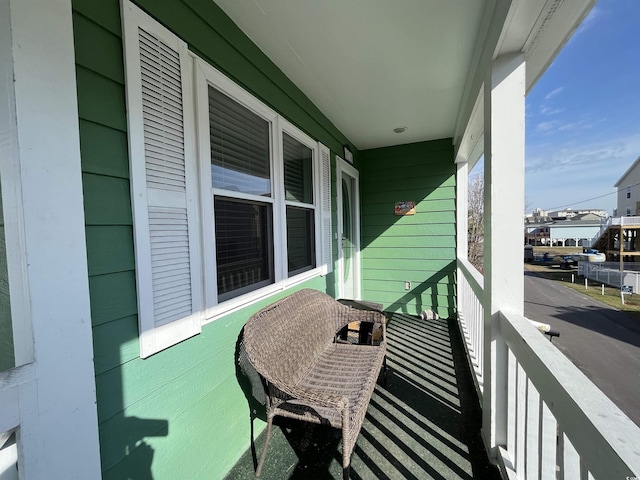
column 346, row 456
column 384, row 372
column 263, row 455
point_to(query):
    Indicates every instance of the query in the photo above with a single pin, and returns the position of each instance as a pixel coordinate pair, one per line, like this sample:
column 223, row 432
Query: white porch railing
column 556, row 425
column 630, row 221
column 470, row 287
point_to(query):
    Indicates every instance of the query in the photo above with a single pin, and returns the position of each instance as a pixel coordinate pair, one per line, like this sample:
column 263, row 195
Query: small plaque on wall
column 348, row 155
column 406, row 208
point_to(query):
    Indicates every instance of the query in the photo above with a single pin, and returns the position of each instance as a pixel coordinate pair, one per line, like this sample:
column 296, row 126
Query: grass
column 553, row 251
column 611, row 295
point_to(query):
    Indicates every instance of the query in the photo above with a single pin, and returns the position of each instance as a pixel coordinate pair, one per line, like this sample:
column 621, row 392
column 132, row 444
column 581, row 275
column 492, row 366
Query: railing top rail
column 605, row 438
column 473, row 276
column 624, row 221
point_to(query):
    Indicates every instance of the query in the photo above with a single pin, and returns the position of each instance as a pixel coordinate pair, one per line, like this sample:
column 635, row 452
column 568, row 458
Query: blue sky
column 583, row 115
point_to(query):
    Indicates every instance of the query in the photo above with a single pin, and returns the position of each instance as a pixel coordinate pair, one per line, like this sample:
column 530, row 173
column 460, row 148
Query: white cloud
column 553, row 93
column 610, row 158
column 547, row 126
column 545, row 110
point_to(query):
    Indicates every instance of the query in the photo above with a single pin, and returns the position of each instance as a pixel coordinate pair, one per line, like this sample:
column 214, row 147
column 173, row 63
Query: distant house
column 564, row 230
column 536, row 233
column 571, row 213
column 628, row 186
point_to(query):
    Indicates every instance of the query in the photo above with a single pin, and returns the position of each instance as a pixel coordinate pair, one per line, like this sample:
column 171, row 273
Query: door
column 348, row 231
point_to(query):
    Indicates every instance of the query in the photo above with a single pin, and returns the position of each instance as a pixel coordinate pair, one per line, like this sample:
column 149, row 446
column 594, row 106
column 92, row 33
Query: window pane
column 244, row 250
column 301, row 254
column 298, row 174
column 239, row 147
column 7, row 358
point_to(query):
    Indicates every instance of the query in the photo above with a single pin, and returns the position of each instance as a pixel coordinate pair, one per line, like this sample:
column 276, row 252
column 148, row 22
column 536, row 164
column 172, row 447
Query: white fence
column 552, row 423
column 609, row 273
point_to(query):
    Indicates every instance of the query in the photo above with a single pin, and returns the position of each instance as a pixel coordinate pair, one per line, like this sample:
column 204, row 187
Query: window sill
column 235, row 304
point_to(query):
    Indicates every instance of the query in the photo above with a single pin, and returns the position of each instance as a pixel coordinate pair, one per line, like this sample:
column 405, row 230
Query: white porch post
column 51, row 398
column 462, row 209
column 504, row 94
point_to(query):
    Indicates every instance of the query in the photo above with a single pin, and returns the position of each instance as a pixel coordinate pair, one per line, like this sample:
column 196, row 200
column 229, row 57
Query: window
column 628, row 212
column 261, row 210
column 241, row 181
column 628, row 192
column 231, row 202
column 300, row 217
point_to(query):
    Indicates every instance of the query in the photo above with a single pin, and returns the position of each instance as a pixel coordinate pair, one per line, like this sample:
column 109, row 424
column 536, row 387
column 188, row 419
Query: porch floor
column 424, row 425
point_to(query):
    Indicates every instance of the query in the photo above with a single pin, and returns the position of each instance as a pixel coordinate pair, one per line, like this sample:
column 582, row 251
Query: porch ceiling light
column 399, row 129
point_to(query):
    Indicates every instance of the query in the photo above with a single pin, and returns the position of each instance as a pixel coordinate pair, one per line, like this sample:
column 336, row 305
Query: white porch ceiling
column 373, row 65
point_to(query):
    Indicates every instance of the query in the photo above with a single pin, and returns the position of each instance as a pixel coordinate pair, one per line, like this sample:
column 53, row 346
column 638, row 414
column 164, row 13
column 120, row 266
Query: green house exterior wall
column 179, row 413
column 420, row 248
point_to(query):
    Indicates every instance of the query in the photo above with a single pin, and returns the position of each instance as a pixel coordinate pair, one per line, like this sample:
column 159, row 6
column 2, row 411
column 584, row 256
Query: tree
column 475, row 232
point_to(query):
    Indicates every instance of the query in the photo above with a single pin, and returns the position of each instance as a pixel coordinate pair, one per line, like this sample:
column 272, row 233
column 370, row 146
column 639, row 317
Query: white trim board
column 56, row 404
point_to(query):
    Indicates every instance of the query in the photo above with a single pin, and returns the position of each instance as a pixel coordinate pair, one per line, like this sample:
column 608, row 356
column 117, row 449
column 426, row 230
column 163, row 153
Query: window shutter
column 162, row 183
column 325, row 208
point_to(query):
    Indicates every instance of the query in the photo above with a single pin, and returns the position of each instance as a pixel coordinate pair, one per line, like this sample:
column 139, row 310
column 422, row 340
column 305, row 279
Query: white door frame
column 343, row 167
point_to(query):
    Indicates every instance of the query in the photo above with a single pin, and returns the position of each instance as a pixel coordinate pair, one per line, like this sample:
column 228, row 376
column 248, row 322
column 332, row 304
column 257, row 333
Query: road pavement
column 601, row 341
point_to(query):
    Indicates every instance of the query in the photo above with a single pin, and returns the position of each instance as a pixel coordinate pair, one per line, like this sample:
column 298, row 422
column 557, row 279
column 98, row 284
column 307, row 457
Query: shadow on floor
column 424, row 425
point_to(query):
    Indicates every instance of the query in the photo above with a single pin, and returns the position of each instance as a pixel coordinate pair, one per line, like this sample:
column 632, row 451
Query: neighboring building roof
column 577, row 223
column 593, row 217
column 586, row 220
column 532, row 222
column 633, row 165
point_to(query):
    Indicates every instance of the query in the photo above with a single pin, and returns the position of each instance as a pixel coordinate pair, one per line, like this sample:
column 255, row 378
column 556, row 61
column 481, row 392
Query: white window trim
column 207, row 75
column 306, row 140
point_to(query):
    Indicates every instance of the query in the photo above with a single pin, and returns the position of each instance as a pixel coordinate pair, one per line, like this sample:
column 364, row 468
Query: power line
column 589, row 199
column 581, row 201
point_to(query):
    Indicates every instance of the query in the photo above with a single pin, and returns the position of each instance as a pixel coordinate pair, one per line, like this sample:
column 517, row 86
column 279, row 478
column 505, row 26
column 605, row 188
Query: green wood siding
column 179, row 413
column 419, row 248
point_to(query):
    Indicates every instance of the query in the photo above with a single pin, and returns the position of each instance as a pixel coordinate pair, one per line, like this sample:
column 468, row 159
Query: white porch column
column 462, row 209
column 50, row 399
column 504, row 94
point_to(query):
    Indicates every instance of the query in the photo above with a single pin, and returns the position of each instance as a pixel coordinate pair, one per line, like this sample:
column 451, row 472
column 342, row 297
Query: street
column 601, row 341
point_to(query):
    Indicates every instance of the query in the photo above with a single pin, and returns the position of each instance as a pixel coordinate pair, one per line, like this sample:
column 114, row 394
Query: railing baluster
column 521, row 422
column 511, row 403
column 571, row 460
column 533, row 431
column 548, row 443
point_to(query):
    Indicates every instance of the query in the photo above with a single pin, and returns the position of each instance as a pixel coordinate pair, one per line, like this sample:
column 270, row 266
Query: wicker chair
column 308, row 375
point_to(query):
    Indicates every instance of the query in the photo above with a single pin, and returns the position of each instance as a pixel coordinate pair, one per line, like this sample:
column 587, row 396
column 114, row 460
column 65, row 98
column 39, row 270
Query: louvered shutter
column 325, row 208
column 162, row 183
